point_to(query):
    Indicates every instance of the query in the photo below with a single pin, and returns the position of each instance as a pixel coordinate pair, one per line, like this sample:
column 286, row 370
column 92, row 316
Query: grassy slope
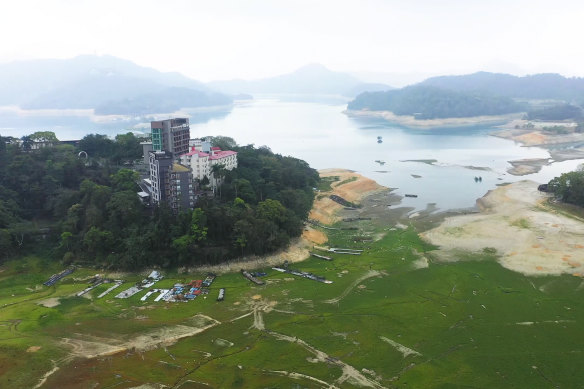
column 460, row 317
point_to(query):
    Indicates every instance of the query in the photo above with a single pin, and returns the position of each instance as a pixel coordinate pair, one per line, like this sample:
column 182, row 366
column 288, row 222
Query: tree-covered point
column 427, row 102
column 54, row 200
column 569, row 187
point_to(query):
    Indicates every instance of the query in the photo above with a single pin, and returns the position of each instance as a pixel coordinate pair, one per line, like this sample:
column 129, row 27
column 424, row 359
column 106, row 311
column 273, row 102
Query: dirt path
column 258, row 319
column 406, row 351
column 350, row 374
column 163, row 336
column 529, row 237
column 46, row 376
column 298, row 376
column 369, row 274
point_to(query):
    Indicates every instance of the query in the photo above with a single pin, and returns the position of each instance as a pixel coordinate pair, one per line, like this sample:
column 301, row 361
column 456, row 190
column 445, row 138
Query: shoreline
column 516, row 223
column 561, row 147
column 413, row 123
column 528, row 133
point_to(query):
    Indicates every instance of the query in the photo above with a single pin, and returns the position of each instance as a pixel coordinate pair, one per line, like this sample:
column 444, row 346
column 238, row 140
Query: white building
column 201, row 162
column 198, row 161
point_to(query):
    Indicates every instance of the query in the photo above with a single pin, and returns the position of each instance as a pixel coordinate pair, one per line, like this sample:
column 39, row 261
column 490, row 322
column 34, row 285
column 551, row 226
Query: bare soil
column 91, row 347
column 325, row 210
column 50, row 302
column 515, row 220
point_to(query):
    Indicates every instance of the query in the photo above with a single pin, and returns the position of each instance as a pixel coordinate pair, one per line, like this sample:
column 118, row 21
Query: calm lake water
column 325, row 137
column 321, row 134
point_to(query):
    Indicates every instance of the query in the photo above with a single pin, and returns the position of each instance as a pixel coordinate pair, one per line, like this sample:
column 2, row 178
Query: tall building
column 171, row 182
column 171, row 135
column 160, row 163
column 181, row 194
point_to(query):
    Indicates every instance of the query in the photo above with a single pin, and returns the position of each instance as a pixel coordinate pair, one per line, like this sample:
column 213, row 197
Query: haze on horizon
column 373, row 39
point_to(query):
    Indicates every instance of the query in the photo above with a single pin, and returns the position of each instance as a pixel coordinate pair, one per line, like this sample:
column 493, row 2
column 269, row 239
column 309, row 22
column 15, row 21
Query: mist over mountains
column 107, row 84
column 310, row 79
column 111, row 86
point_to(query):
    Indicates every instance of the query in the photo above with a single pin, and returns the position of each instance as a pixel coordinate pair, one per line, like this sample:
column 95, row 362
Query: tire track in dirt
column 349, row 372
column 369, row 274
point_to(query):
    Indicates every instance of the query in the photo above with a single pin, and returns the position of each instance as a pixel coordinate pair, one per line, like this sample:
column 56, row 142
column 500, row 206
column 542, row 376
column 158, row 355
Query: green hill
column 428, row 102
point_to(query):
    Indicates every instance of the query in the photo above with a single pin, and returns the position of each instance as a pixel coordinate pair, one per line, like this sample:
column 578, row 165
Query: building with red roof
column 203, row 157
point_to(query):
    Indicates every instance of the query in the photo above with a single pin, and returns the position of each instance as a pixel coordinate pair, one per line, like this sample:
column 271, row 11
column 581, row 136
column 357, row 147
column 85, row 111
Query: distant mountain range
column 107, row 84
column 111, row 85
column 311, row 79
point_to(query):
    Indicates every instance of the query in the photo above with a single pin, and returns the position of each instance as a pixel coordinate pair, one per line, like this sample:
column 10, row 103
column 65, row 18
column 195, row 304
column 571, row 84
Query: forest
column 557, row 112
column 85, row 210
column 429, row 102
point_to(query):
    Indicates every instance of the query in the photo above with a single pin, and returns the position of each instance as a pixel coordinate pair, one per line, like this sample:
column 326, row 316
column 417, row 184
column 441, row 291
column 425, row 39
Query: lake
column 325, row 137
column 319, row 132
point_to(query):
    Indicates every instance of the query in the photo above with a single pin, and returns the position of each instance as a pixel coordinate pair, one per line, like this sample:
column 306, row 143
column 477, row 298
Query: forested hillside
column 557, row 112
column 88, row 211
column 426, row 102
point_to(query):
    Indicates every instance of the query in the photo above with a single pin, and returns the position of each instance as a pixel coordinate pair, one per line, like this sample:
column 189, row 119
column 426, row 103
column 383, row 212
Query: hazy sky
column 222, row 39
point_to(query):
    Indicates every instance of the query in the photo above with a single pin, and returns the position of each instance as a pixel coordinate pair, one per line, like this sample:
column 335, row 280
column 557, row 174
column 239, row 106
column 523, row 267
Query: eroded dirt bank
column 529, row 236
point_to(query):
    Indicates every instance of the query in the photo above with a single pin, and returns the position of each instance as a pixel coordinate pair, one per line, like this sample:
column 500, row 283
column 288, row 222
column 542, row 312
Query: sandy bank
column 522, row 167
column 529, row 237
column 412, row 122
column 562, row 147
column 325, row 210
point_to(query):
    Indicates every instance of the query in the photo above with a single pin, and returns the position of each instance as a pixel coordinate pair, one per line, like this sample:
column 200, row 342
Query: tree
column 26, row 142
column 217, row 172
column 123, row 210
column 127, row 148
column 47, row 137
column 124, row 179
column 241, row 232
column 97, row 145
column 272, row 210
column 224, row 142
column 569, row 187
column 244, row 190
column 98, row 241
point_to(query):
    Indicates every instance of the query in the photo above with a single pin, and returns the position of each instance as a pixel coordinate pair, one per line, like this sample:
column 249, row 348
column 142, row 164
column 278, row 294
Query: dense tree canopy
column 557, row 112
column 92, row 213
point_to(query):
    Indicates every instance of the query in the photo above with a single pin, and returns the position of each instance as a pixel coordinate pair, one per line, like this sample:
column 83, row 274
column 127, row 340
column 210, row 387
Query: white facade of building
column 201, row 162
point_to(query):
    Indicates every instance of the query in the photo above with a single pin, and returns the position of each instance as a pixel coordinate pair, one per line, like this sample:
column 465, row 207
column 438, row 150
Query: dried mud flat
column 528, row 235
